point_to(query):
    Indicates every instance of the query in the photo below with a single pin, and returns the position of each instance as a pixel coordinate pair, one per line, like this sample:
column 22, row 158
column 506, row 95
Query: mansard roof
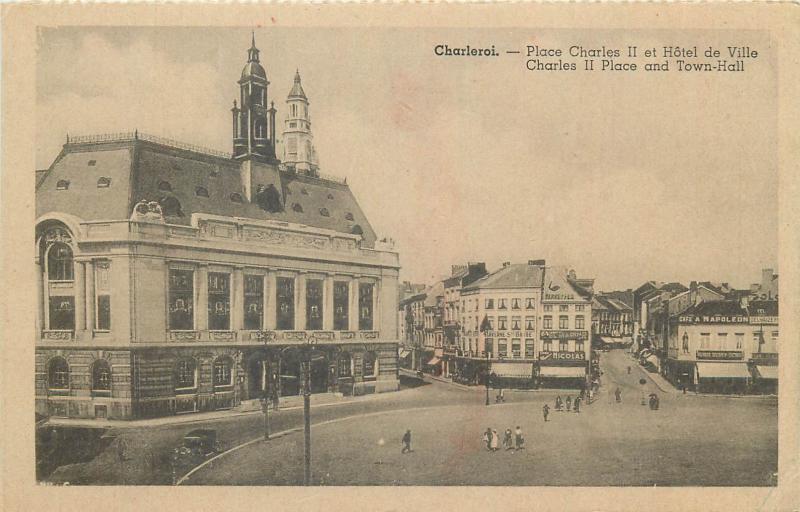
column 519, row 275
column 142, row 169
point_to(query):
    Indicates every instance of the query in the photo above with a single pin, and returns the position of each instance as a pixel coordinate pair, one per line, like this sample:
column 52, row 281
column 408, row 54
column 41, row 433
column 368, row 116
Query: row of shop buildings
column 525, row 325
column 709, row 337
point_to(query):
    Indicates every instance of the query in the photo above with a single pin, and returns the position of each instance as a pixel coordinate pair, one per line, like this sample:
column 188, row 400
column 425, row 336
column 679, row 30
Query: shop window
column 314, row 304
column 223, row 372
column 62, row 185
column 369, row 365
column 516, row 347
column 345, row 365
column 488, row 346
column 59, row 262
column 365, row 305
column 563, row 322
column 101, row 376
column 547, row 322
column 285, row 303
column 164, row 186
column 219, row 301
column 201, row 192
column 181, row 299
column 341, row 305
column 103, row 182
column 253, row 302
column 58, row 373
column 502, row 347
column 185, row 374
column 62, row 313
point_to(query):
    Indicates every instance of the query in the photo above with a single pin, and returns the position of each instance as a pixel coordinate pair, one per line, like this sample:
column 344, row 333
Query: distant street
column 691, row 440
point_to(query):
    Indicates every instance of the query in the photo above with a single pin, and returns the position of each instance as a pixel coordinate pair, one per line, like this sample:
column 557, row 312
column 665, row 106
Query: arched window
column 260, row 129
column 59, row 262
column 223, row 372
column 324, row 212
column 237, row 197
column 164, row 186
column 58, row 373
column 101, row 376
column 345, row 365
column 62, row 185
column 170, row 206
column 369, row 365
column 201, row 192
column 297, row 207
column 348, row 216
column 185, row 374
column 103, row 182
column 269, row 199
column 357, row 230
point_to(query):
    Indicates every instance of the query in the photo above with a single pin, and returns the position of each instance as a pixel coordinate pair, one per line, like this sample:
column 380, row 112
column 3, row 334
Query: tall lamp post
column 486, row 378
column 306, row 350
column 268, row 384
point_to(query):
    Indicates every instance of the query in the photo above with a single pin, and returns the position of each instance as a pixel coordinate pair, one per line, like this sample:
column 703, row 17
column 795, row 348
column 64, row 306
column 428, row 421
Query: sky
column 623, row 177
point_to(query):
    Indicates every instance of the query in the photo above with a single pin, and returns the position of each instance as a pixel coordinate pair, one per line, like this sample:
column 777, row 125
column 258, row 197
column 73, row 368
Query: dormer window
column 330, row 196
column 62, row 185
column 357, row 230
column 103, row 182
column 171, row 207
column 201, row 192
column 348, row 216
column 91, row 163
column 237, row 198
column 304, row 191
column 324, row 212
column 164, row 186
column 297, row 207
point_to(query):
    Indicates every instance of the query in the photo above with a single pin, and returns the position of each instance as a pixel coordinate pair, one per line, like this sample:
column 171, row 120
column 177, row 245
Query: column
column 201, row 302
column 376, row 306
column 237, row 299
column 352, row 315
column 91, row 304
column 327, row 303
column 80, row 297
column 300, row 302
column 41, row 304
column 270, row 298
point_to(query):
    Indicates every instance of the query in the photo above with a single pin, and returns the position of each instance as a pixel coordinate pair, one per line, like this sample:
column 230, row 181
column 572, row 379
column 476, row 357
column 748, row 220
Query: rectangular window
column 514, row 303
column 181, row 299
column 579, row 322
column 219, row 301
column 102, row 296
column 488, row 346
column 563, row 307
column 579, row 346
column 62, row 313
column 547, row 345
column 705, row 340
column 530, row 303
column 345, row 364
column 341, row 305
column 739, row 340
column 502, row 347
column 516, row 347
column 490, row 319
column 365, row 307
column 563, row 346
column 314, row 304
column 489, row 304
column 547, row 322
column 285, row 303
column 528, row 347
column 501, row 304
column 515, row 323
column 530, row 323
column 501, row 323
column 722, row 340
column 548, row 307
column 756, row 342
column 563, row 322
column 253, row 302
column 579, row 307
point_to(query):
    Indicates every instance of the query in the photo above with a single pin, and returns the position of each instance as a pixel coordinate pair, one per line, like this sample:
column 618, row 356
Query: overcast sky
column 624, row 177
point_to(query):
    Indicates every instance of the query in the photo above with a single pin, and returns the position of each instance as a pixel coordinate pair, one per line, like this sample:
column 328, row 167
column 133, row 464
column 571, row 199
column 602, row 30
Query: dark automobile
column 202, row 441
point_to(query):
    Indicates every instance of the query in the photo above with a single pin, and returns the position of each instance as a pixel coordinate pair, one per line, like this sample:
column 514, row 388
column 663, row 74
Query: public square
column 692, row 440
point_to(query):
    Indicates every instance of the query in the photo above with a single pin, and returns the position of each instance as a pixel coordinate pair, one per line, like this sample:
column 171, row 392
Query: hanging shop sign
column 564, row 335
column 720, row 355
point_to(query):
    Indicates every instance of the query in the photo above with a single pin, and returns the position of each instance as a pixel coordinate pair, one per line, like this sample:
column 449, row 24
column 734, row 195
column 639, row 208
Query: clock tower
column 254, row 118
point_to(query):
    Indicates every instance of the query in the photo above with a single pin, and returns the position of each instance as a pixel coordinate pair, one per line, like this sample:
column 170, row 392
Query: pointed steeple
column 297, row 89
column 252, row 53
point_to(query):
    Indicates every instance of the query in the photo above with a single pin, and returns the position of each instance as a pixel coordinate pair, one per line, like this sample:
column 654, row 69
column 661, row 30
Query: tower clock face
column 260, row 110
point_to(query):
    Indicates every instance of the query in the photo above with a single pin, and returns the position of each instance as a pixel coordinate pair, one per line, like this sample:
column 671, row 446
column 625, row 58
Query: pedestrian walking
column 508, row 440
column 519, row 439
column 493, row 443
column 577, row 404
column 545, row 411
column 406, row 442
column 618, row 395
column 629, row 370
column 121, row 447
column 591, row 396
column 559, row 403
column 487, row 439
column 569, row 402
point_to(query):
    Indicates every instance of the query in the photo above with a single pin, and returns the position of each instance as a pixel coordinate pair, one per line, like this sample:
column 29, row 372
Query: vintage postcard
column 487, row 256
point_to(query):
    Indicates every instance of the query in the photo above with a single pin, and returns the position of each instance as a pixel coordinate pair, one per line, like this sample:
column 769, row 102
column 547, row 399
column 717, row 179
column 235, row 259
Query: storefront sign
column 565, row 335
column 717, row 355
column 766, row 358
column 764, row 320
column 713, row 319
column 559, row 296
column 562, row 356
column 509, row 334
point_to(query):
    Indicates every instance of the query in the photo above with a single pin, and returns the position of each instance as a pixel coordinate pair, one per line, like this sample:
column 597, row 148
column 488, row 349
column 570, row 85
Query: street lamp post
column 306, row 350
column 486, row 378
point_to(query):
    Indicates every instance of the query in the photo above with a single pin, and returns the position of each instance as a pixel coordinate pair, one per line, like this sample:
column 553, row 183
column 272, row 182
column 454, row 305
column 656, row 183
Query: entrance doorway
column 319, row 375
column 255, row 378
column 290, row 377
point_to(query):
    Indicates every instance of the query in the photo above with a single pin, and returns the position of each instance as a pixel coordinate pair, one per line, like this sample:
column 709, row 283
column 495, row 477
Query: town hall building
column 175, row 279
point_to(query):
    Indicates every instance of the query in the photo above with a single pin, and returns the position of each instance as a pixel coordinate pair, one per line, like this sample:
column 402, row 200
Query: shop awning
column 434, row 361
column 607, row 340
column 404, row 353
column 767, row 372
column 513, row 370
column 722, row 371
column 567, row 372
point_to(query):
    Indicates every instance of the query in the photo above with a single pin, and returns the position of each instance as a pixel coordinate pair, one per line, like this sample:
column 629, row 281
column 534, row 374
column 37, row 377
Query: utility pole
column 307, row 417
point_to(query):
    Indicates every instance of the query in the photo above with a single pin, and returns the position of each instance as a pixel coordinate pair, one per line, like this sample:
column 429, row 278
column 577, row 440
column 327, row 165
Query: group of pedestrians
column 511, row 441
column 571, row 405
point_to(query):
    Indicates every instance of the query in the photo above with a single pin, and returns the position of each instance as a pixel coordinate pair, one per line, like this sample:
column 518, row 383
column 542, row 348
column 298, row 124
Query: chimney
column 766, row 278
column 694, row 297
column 571, row 274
